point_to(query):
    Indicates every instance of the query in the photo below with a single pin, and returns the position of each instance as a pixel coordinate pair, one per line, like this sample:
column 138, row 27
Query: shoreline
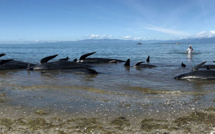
column 21, row 119
column 41, row 121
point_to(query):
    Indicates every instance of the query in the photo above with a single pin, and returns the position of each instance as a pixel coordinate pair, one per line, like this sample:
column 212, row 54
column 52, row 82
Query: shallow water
column 117, row 89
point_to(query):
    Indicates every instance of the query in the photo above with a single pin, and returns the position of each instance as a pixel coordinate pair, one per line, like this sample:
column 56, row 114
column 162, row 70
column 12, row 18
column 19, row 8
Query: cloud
column 202, row 34
column 96, row 36
column 127, row 37
column 164, row 30
column 139, row 38
column 205, row 34
column 133, row 38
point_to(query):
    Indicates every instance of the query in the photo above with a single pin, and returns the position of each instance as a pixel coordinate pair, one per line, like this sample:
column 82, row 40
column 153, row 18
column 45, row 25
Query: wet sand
column 170, row 113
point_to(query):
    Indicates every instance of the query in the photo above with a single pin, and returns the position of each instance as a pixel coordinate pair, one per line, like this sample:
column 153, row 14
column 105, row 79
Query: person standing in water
column 189, row 50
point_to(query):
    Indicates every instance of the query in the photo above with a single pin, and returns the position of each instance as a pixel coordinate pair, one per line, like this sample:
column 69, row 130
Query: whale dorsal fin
column 196, row 68
column 127, row 63
column 83, row 57
column 2, row 54
column 64, row 59
column 138, row 63
column 183, row 65
column 148, row 59
column 46, row 59
column 2, row 62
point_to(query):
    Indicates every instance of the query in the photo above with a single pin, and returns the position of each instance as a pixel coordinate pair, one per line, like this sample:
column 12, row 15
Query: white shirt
column 189, row 50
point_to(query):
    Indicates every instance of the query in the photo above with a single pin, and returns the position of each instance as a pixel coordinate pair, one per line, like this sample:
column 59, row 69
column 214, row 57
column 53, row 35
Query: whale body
column 13, row 64
column 197, row 74
column 60, row 64
column 201, row 74
column 7, row 64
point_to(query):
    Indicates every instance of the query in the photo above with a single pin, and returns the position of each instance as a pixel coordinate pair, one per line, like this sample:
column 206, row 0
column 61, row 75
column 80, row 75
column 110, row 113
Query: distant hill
column 188, row 40
column 114, row 41
column 202, row 40
column 106, row 41
column 193, row 40
column 93, row 41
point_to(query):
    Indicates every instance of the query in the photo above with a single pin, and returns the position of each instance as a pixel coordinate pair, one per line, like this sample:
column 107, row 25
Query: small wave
column 152, row 91
column 175, row 92
column 49, row 87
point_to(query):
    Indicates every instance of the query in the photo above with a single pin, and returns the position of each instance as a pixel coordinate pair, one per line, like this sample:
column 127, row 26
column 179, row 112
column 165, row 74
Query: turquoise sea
column 116, row 89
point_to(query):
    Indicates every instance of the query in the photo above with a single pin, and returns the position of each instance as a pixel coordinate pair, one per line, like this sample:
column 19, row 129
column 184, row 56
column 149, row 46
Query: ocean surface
column 115, row 89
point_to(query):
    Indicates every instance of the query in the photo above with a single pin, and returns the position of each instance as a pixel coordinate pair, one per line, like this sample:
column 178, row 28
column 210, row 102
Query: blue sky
column 69, row 20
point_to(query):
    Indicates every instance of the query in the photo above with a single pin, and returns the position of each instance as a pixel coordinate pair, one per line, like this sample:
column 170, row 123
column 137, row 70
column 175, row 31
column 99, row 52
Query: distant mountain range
column 194, row 40
column 188, row 40
column 93, row 41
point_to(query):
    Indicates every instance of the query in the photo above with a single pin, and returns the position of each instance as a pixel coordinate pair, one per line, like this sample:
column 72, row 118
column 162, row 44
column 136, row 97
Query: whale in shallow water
column 13, row 64
column 197, row 74
column 139, row 64
column 60, row 64
column 84, row 59
column 7, row 64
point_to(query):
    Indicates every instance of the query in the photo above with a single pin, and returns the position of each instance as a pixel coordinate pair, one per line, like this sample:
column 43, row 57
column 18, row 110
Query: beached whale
column 60, row 64
column 84, row 59
column 12, row 64
column 139, row 64
column 7, row 64
column 198, row 74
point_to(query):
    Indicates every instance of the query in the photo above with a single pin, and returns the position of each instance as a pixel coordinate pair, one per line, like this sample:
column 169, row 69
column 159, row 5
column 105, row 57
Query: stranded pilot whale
column 139, row 64
column 84, row 59
column 7, row 64
column 197, row 74
column 60, row 64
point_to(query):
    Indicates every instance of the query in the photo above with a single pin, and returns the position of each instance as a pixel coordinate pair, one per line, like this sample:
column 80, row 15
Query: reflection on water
column 189, row 57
